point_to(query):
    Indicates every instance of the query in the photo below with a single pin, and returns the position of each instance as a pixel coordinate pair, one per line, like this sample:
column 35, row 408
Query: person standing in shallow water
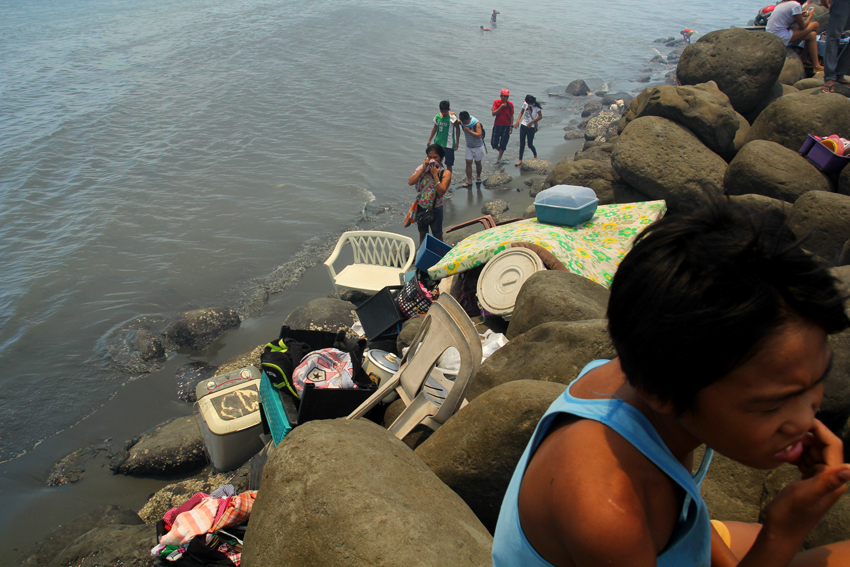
column 529, row 115
column 493, row 18
column 474, row 133
column 432, row 180
column 503, row 125
column 446, row 132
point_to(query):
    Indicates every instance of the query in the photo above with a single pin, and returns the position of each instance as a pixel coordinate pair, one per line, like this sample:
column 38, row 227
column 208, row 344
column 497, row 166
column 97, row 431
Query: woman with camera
column 432, row 180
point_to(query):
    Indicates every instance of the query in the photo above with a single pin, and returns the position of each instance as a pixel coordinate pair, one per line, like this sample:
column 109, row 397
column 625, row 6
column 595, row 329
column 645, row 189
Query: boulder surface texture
column 826, row 216
column 66, row 545
column 770, row 169
column 790, row 118
column 551, row 352
column 556, row 296
column 584, row 173
column 664, row 160
column 323, row 314
column 172, row 448
column 476, row 451
column 196, row 330
column 702, row 109
column 744, row 64
column 340, row 493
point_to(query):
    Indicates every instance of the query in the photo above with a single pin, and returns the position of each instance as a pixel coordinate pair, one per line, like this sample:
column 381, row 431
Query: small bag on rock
column 417, row 295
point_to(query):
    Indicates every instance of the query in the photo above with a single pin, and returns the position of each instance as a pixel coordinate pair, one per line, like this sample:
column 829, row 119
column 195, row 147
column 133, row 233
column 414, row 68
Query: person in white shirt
column 782, row 22
column 529, row 115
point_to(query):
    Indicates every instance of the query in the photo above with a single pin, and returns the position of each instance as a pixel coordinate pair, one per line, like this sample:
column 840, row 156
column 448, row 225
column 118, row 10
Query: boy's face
column 760, row 413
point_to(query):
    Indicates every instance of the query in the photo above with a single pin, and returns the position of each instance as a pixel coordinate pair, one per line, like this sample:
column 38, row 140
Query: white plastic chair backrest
column 378, row 249
column 446, row 325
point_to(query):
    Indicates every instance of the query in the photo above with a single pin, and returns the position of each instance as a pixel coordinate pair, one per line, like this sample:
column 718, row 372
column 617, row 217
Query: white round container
column 502, row 278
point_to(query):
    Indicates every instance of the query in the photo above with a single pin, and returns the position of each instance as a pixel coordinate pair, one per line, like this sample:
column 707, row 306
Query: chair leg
column 373, row 400
column 411, row 416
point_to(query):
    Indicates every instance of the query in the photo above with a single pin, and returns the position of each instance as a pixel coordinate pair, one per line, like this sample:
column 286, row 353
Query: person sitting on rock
column 719, row 319
column 791, row 24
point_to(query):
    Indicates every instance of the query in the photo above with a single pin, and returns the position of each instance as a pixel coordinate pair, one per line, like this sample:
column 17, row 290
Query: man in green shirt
column 447, row 131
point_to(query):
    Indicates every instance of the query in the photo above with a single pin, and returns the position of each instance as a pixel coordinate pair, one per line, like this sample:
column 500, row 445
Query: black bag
column 279, row 359
column 282, row 356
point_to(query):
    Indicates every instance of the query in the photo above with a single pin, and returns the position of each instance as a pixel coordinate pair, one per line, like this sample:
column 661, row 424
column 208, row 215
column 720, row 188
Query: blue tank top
column 690, row 544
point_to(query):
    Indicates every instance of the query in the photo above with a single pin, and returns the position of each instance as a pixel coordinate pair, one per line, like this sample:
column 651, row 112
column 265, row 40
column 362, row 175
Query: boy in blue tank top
column 720, row 322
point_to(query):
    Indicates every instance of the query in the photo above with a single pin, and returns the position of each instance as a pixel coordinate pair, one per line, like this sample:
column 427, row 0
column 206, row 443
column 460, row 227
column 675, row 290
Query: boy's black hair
column 464, row 115
column 444, row 105
column 700, row 292
column 441, row 151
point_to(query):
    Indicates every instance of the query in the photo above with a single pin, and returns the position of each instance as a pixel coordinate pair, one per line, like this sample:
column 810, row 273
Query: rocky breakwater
column 731, row 127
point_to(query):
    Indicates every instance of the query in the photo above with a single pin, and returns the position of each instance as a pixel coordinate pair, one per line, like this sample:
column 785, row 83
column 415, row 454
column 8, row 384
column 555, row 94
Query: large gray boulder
column 553, row 295
column 744, row 64
column 664, row 160
column 809, row 83
column 497, row 179
column 597, row 127
column 844, row 181
column 770, row 169
column 762, row 202
column 703, row 109
column 51, row 550
column 323, row 314
column 578, row 88
column 531, row 354
column 172, row 448
column 366, row 499
column 827, row 217
column 835, row 406
column 476, row 451
column 790, row 118
column 125, row 545
column 792, row 70
column 584, row 173
column 776, row 91
column 495, row 207
column 731, row 491
column 536, row 166
column 196, row 330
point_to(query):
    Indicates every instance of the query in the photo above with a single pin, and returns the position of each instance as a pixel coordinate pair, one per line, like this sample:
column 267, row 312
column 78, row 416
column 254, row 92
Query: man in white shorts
column 474, row 133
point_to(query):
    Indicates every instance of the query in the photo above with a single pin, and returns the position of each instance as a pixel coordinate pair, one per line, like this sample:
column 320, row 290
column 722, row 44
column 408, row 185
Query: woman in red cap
column 503, row 110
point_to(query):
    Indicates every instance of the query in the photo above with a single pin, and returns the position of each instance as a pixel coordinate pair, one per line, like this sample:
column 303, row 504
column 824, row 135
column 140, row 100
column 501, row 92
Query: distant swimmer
column 493, row 18
column 686, row 34
column 484, row 29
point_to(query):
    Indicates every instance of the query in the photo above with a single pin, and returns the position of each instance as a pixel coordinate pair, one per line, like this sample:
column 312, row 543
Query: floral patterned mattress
column 593, row 249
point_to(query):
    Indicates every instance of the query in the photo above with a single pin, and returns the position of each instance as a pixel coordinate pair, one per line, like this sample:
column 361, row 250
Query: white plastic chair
column 380, row 259
column 430, row 397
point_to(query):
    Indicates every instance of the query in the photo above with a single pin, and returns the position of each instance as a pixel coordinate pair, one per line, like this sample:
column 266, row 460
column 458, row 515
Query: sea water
column 158, row 156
